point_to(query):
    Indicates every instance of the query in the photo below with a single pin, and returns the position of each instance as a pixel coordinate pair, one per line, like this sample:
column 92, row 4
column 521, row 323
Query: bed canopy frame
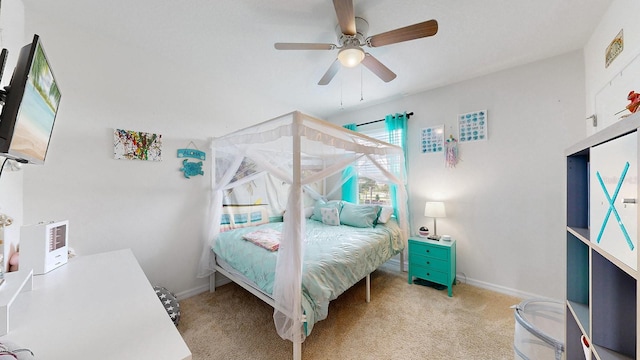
column 299, row 150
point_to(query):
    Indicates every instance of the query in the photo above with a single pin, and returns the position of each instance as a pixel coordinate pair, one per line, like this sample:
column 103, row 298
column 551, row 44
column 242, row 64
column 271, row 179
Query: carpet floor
column 401, row 322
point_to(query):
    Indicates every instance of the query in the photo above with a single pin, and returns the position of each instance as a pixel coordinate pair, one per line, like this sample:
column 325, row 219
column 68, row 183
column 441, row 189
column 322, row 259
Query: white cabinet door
column 613, row 191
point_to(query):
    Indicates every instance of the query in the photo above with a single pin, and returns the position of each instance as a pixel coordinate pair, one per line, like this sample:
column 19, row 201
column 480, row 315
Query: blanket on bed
column 265, row 238
column 335, row 258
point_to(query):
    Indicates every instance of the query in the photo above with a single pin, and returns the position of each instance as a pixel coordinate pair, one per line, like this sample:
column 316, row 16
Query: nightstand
column 433, row 260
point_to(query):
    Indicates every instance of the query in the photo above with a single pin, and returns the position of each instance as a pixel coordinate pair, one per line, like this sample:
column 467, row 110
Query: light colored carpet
column 402, row 321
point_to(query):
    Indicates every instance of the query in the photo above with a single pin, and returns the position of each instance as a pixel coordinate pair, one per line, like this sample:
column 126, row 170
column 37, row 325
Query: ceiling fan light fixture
column 351, row 56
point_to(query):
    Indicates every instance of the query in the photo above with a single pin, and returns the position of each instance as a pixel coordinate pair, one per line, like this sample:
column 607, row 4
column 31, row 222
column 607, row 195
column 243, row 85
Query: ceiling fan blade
column 378, row 68
column 331, row 72
column 303, row 46
column 346, row 16
column 411, row 32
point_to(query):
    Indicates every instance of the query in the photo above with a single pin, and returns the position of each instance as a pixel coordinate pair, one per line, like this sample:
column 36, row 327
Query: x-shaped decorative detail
column 612, row 207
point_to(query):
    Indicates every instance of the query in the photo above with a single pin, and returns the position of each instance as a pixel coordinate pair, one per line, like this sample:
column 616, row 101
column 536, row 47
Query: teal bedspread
column 335, row 258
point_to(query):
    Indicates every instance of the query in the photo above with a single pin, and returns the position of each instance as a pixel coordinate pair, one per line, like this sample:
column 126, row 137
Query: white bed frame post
column 368, row 288
column 297, row 188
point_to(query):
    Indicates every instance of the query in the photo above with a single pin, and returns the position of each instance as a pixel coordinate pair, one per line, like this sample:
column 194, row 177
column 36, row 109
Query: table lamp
column 434, row 209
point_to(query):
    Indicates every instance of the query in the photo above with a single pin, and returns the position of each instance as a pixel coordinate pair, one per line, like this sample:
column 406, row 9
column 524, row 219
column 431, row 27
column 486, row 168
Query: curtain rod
column 375, row 121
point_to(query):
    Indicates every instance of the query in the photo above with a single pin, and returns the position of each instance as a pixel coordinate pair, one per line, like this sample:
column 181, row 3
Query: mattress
column 335, row 258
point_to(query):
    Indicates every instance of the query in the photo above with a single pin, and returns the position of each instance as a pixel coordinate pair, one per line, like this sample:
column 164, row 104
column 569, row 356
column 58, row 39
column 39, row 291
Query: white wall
column 607, row 88
column 113, row 204
column 505, row 199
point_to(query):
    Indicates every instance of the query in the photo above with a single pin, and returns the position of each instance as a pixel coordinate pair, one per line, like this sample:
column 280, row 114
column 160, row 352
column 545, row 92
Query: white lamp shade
column 351, row 56
column 434, row 209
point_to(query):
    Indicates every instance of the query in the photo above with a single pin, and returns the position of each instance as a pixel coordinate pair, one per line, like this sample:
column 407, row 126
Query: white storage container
column 539, row 331
column 44, row 246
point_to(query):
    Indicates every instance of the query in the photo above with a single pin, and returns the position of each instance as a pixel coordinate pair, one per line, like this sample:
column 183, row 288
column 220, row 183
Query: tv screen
column 30, row 109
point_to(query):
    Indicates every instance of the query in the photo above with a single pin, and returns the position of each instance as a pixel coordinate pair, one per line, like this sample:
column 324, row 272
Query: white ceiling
column 234, row 39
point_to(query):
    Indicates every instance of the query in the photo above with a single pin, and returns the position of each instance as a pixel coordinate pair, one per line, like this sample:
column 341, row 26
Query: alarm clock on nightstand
column 423, row 231
column 43, row 246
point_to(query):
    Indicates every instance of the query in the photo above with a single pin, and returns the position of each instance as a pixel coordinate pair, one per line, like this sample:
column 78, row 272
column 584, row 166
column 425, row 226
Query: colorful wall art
column 472, row 126
column 137, row 145
column 432, row 139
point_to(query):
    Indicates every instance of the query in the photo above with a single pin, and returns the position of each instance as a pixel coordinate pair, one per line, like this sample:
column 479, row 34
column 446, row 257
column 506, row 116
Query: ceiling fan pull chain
column 341, row 108
column 361, row 97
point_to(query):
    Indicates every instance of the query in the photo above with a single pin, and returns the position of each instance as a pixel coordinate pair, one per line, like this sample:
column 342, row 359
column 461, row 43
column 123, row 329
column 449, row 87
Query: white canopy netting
column 300, row 151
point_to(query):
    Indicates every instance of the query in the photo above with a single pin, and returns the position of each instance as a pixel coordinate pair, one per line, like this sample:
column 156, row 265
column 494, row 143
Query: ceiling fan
column 352, row 36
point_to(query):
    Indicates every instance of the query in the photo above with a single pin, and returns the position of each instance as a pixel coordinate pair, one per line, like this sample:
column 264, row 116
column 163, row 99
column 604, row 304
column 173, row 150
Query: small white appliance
column 44, row 246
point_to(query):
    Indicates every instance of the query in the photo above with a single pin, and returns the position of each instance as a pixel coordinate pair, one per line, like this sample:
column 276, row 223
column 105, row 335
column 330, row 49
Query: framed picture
column 137, row 145
column 432, row 139
column 472, row 126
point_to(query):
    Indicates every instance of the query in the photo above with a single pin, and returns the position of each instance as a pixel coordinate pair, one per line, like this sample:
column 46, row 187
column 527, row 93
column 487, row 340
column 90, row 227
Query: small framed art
column 432, row 139
column 472, row 126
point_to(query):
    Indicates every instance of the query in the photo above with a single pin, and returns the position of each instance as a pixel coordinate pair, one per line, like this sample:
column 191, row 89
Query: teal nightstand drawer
column 432, row 260
column 429, row 262
column 431, row 275
column 429, row 250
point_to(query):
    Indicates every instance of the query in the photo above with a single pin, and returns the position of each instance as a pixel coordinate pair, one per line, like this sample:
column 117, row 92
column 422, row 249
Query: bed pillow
column 385, row 214
column 362, row 216
column 330, row 216
column 317, row 214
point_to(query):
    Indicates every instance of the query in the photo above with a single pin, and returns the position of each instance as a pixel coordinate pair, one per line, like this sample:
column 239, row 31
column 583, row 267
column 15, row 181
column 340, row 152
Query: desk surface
column 95, row 307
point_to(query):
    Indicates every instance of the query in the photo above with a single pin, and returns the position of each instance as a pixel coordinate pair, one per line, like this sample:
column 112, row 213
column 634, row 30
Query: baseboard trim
column 395, row 264
column 220, row 280
column 500, row 289
column 192, row 292
column 461, row 277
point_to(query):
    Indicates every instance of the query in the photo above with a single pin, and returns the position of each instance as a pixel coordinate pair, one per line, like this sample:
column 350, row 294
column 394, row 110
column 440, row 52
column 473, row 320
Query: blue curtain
column 397, row 128
column 350, row 187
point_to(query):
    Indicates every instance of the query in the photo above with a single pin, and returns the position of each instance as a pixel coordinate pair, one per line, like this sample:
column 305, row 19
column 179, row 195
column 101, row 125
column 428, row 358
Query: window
column 369, row 190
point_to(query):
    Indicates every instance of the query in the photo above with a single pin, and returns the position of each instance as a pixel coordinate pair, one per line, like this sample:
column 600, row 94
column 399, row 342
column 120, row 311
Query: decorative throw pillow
column 359, row 215
column 330, row 216
column 385, row 214
column 169, row 302
column 317, row 215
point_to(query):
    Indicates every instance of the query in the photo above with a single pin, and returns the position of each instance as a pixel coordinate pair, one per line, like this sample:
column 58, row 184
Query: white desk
column 95, row 307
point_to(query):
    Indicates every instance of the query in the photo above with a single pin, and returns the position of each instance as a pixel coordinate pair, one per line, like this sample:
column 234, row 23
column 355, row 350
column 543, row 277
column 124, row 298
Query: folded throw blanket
column 265, row 238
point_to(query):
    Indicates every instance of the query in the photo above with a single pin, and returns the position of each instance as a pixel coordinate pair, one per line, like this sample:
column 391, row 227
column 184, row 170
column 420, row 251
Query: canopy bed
column 306, row 262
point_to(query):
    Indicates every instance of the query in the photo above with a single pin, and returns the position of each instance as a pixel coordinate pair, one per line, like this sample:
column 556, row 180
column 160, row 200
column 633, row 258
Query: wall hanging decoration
column 472, row 126
column 451, row 157
column 614, row 49
column 191, row 168
column 5, row 220
column 192, row 153
column 432, row 139
column 137, row 145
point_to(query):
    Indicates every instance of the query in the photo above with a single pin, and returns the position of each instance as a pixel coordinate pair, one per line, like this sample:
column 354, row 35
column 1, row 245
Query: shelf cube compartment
column 577, row 271
column 614, row 307
column 613, row 197
column 578, row 190
column 572, row 344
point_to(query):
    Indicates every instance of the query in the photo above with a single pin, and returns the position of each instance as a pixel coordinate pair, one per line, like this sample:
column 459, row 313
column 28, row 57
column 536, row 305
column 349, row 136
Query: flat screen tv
column 31, row 105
